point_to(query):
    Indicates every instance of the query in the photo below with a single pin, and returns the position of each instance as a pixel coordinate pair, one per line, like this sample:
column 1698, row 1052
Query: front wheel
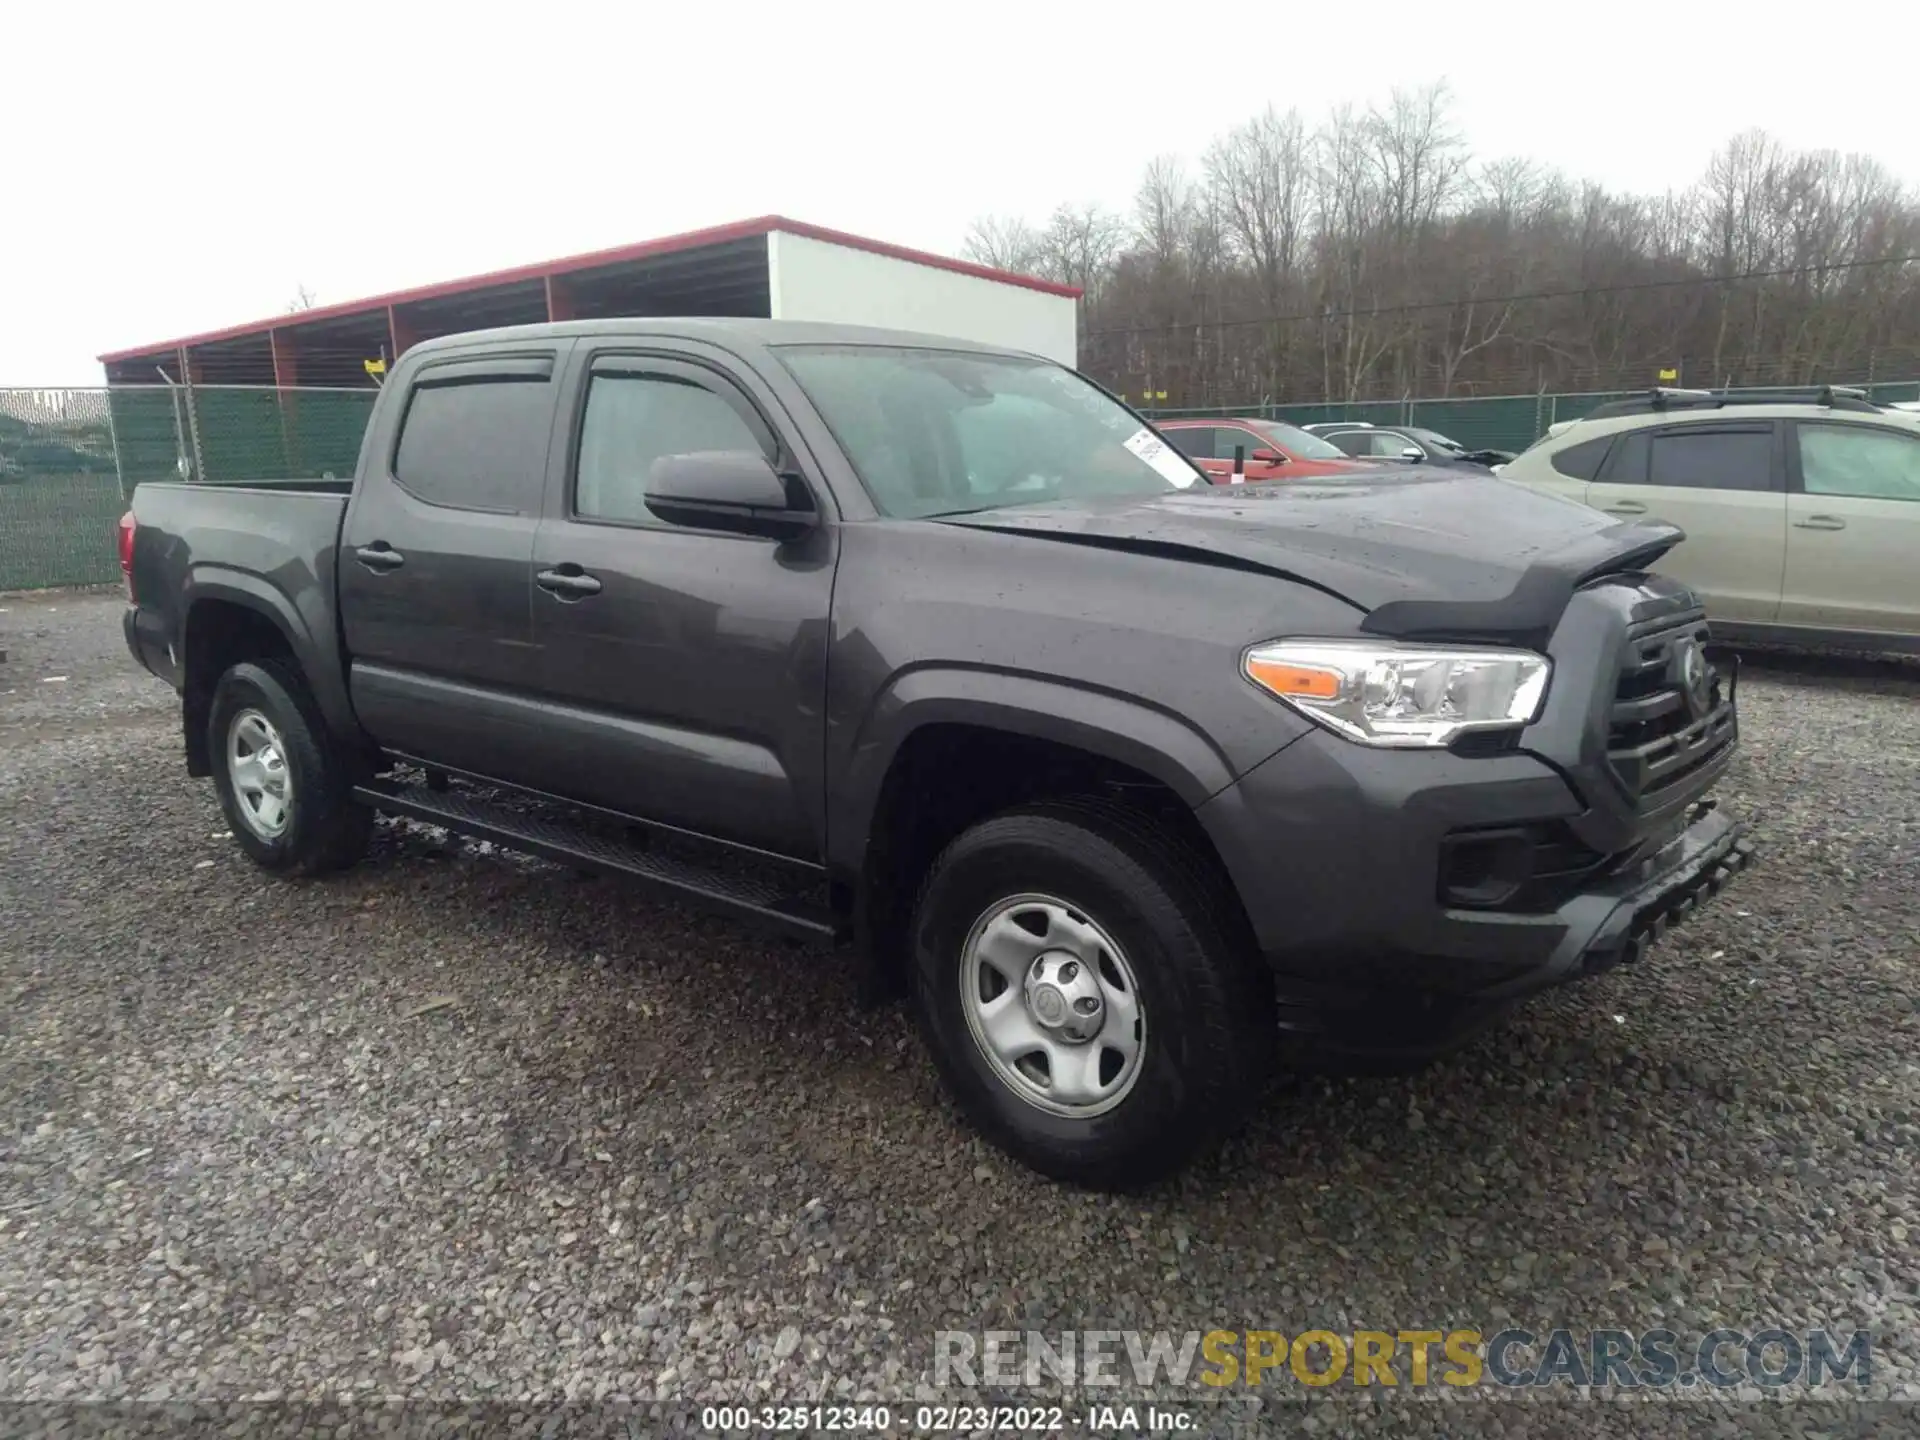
column 1085, row 996
column 285, row 787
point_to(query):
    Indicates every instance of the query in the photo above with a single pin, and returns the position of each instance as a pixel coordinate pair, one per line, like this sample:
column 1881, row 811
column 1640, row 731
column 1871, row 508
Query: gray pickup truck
column 942, row 650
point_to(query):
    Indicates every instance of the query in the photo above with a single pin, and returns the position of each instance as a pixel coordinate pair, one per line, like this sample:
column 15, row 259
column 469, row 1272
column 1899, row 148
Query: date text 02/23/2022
column 943, row 1419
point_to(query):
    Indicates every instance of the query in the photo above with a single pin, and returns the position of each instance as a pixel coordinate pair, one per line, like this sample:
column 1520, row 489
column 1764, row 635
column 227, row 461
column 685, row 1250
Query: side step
column 748, row 894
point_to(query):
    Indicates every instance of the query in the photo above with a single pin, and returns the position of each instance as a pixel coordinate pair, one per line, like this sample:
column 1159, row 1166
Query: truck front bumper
column 1340, row 855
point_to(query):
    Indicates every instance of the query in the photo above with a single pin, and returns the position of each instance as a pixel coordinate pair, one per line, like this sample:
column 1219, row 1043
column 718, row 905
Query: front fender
column 1115, row 727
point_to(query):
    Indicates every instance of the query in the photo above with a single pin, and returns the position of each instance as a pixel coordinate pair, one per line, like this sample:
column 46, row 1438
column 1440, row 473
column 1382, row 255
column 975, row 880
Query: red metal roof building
column 767, row 267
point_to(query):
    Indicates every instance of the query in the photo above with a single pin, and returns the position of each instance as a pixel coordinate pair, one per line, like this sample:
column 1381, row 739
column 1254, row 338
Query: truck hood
column 1427, row 553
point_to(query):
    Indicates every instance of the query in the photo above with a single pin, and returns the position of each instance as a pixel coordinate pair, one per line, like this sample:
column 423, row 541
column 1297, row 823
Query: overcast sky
column 170, row 168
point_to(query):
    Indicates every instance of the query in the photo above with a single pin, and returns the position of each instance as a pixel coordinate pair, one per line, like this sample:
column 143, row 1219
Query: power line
column 1415, row 306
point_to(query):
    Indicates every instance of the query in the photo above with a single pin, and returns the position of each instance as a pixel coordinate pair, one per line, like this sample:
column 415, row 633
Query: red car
column 1262, row 449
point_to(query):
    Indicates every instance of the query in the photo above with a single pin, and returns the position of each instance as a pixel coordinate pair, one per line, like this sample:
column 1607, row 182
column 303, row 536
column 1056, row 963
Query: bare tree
column 1079, row 244
column 303, row 299
column 1367, row 257
column 1005, row 244
column 1260, row 176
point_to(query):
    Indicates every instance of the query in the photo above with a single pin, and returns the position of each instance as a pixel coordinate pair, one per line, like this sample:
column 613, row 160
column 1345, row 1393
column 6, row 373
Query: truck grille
column 1672, row 709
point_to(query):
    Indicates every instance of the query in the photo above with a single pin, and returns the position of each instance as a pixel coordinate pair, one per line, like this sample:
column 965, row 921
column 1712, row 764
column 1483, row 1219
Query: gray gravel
column 460, row 1126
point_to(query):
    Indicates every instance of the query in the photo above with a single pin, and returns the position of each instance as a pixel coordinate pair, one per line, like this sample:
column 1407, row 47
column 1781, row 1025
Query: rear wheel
column 1085, row 1001
column 285, row 787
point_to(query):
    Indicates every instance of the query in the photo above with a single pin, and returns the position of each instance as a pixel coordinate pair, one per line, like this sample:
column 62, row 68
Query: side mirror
column 731, row 490
column 1410, row 453
column 1268, row 457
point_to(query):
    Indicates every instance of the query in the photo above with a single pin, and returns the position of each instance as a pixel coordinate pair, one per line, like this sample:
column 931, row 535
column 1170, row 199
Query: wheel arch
column 945, row 749
column 231, row 616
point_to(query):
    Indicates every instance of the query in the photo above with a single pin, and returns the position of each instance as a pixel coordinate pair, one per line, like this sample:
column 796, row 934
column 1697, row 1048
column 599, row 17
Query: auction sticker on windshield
column 1170, row 464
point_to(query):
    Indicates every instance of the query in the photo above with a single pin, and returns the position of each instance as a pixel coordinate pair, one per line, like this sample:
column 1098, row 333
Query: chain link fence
column 70, row 458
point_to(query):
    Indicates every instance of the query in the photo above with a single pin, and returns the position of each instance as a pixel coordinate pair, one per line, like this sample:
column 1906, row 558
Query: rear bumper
column 148, row 644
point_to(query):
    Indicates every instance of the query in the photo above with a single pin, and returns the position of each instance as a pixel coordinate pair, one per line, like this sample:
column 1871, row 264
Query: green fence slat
column 60, row 497
column 70, row 457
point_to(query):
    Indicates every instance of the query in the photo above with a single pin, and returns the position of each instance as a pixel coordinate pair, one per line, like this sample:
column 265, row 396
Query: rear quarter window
column 1582, row 461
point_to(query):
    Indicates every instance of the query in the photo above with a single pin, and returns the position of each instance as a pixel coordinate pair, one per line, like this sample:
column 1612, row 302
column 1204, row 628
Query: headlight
column 1401, row 695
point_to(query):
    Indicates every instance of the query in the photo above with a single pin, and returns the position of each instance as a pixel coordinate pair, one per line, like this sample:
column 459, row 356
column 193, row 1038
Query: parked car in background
column 1231, row 451
column 1411, row 443
column 1802, row 513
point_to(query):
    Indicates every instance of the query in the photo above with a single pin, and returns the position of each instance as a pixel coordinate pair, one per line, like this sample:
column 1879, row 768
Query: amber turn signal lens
column 1294, row 680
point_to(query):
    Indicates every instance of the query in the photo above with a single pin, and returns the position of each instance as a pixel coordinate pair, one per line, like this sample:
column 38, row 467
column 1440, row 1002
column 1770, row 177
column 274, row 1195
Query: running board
column 750, row 896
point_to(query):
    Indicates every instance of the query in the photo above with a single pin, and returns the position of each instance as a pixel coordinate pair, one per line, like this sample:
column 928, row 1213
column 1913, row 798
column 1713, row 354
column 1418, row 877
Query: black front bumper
column 1339, row 853
column 1614, row 922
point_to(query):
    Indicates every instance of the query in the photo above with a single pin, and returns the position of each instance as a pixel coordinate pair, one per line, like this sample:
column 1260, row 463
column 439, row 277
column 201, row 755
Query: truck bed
column 268, row 546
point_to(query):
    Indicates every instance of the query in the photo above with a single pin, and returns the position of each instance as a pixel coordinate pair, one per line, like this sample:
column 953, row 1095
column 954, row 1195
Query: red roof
column 600, row 259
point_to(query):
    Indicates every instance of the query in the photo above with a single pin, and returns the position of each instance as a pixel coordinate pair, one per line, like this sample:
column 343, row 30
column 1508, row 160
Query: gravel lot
column 458, row 1125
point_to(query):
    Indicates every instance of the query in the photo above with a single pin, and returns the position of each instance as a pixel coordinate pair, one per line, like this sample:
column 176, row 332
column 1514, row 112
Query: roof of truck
column 717, row 330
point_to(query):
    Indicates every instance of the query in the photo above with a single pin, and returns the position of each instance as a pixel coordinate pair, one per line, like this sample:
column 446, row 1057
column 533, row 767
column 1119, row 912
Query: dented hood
column 1427, row 553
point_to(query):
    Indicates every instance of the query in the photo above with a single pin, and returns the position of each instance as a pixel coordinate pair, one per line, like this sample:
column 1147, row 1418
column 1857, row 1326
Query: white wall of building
column 816, row 280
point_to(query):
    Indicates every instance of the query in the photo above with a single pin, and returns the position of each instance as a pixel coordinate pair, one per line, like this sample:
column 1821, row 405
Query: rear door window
column 475, row 436
column 1703, row 458
column 1193, row 441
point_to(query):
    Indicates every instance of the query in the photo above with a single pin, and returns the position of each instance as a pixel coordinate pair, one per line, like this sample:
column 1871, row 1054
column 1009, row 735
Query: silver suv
column 1802, row 512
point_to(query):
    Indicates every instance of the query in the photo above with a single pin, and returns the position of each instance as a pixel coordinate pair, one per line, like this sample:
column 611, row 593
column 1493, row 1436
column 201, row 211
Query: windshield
column 944, row 432
column 1298, row 443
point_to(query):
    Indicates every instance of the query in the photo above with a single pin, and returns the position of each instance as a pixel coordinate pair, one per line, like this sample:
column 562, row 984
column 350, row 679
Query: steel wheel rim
column 257, row 766
column 1032, row 971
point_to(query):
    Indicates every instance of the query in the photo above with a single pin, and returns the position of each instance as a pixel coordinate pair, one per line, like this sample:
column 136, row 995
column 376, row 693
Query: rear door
column 1853, row 529
column 435, row 597
column 685, row 669
column 1723, row 483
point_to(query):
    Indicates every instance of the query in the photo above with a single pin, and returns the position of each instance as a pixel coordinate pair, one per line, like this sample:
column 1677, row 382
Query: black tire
column 1206, row 995
column 326, row 829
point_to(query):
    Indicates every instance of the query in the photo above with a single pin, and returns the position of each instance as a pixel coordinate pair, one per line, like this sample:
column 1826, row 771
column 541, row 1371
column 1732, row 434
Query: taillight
column 127, row 526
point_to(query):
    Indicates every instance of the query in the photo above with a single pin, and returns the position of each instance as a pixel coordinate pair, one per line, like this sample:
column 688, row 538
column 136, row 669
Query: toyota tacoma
column 1133, row 783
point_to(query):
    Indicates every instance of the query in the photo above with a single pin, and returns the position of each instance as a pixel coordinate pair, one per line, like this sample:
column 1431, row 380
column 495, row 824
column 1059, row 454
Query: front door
column 1240, row 456
column 1853, row 531
column 1721, row 482
column 686, row 669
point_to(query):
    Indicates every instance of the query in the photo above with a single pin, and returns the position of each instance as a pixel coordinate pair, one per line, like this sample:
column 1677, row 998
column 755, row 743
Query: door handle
column 379, row 557
column 1626, row 507
column 568, row 582
column 1821, row 522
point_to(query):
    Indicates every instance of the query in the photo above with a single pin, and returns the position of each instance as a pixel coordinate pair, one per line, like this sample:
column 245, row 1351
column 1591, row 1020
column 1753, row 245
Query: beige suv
column 1802, row 512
